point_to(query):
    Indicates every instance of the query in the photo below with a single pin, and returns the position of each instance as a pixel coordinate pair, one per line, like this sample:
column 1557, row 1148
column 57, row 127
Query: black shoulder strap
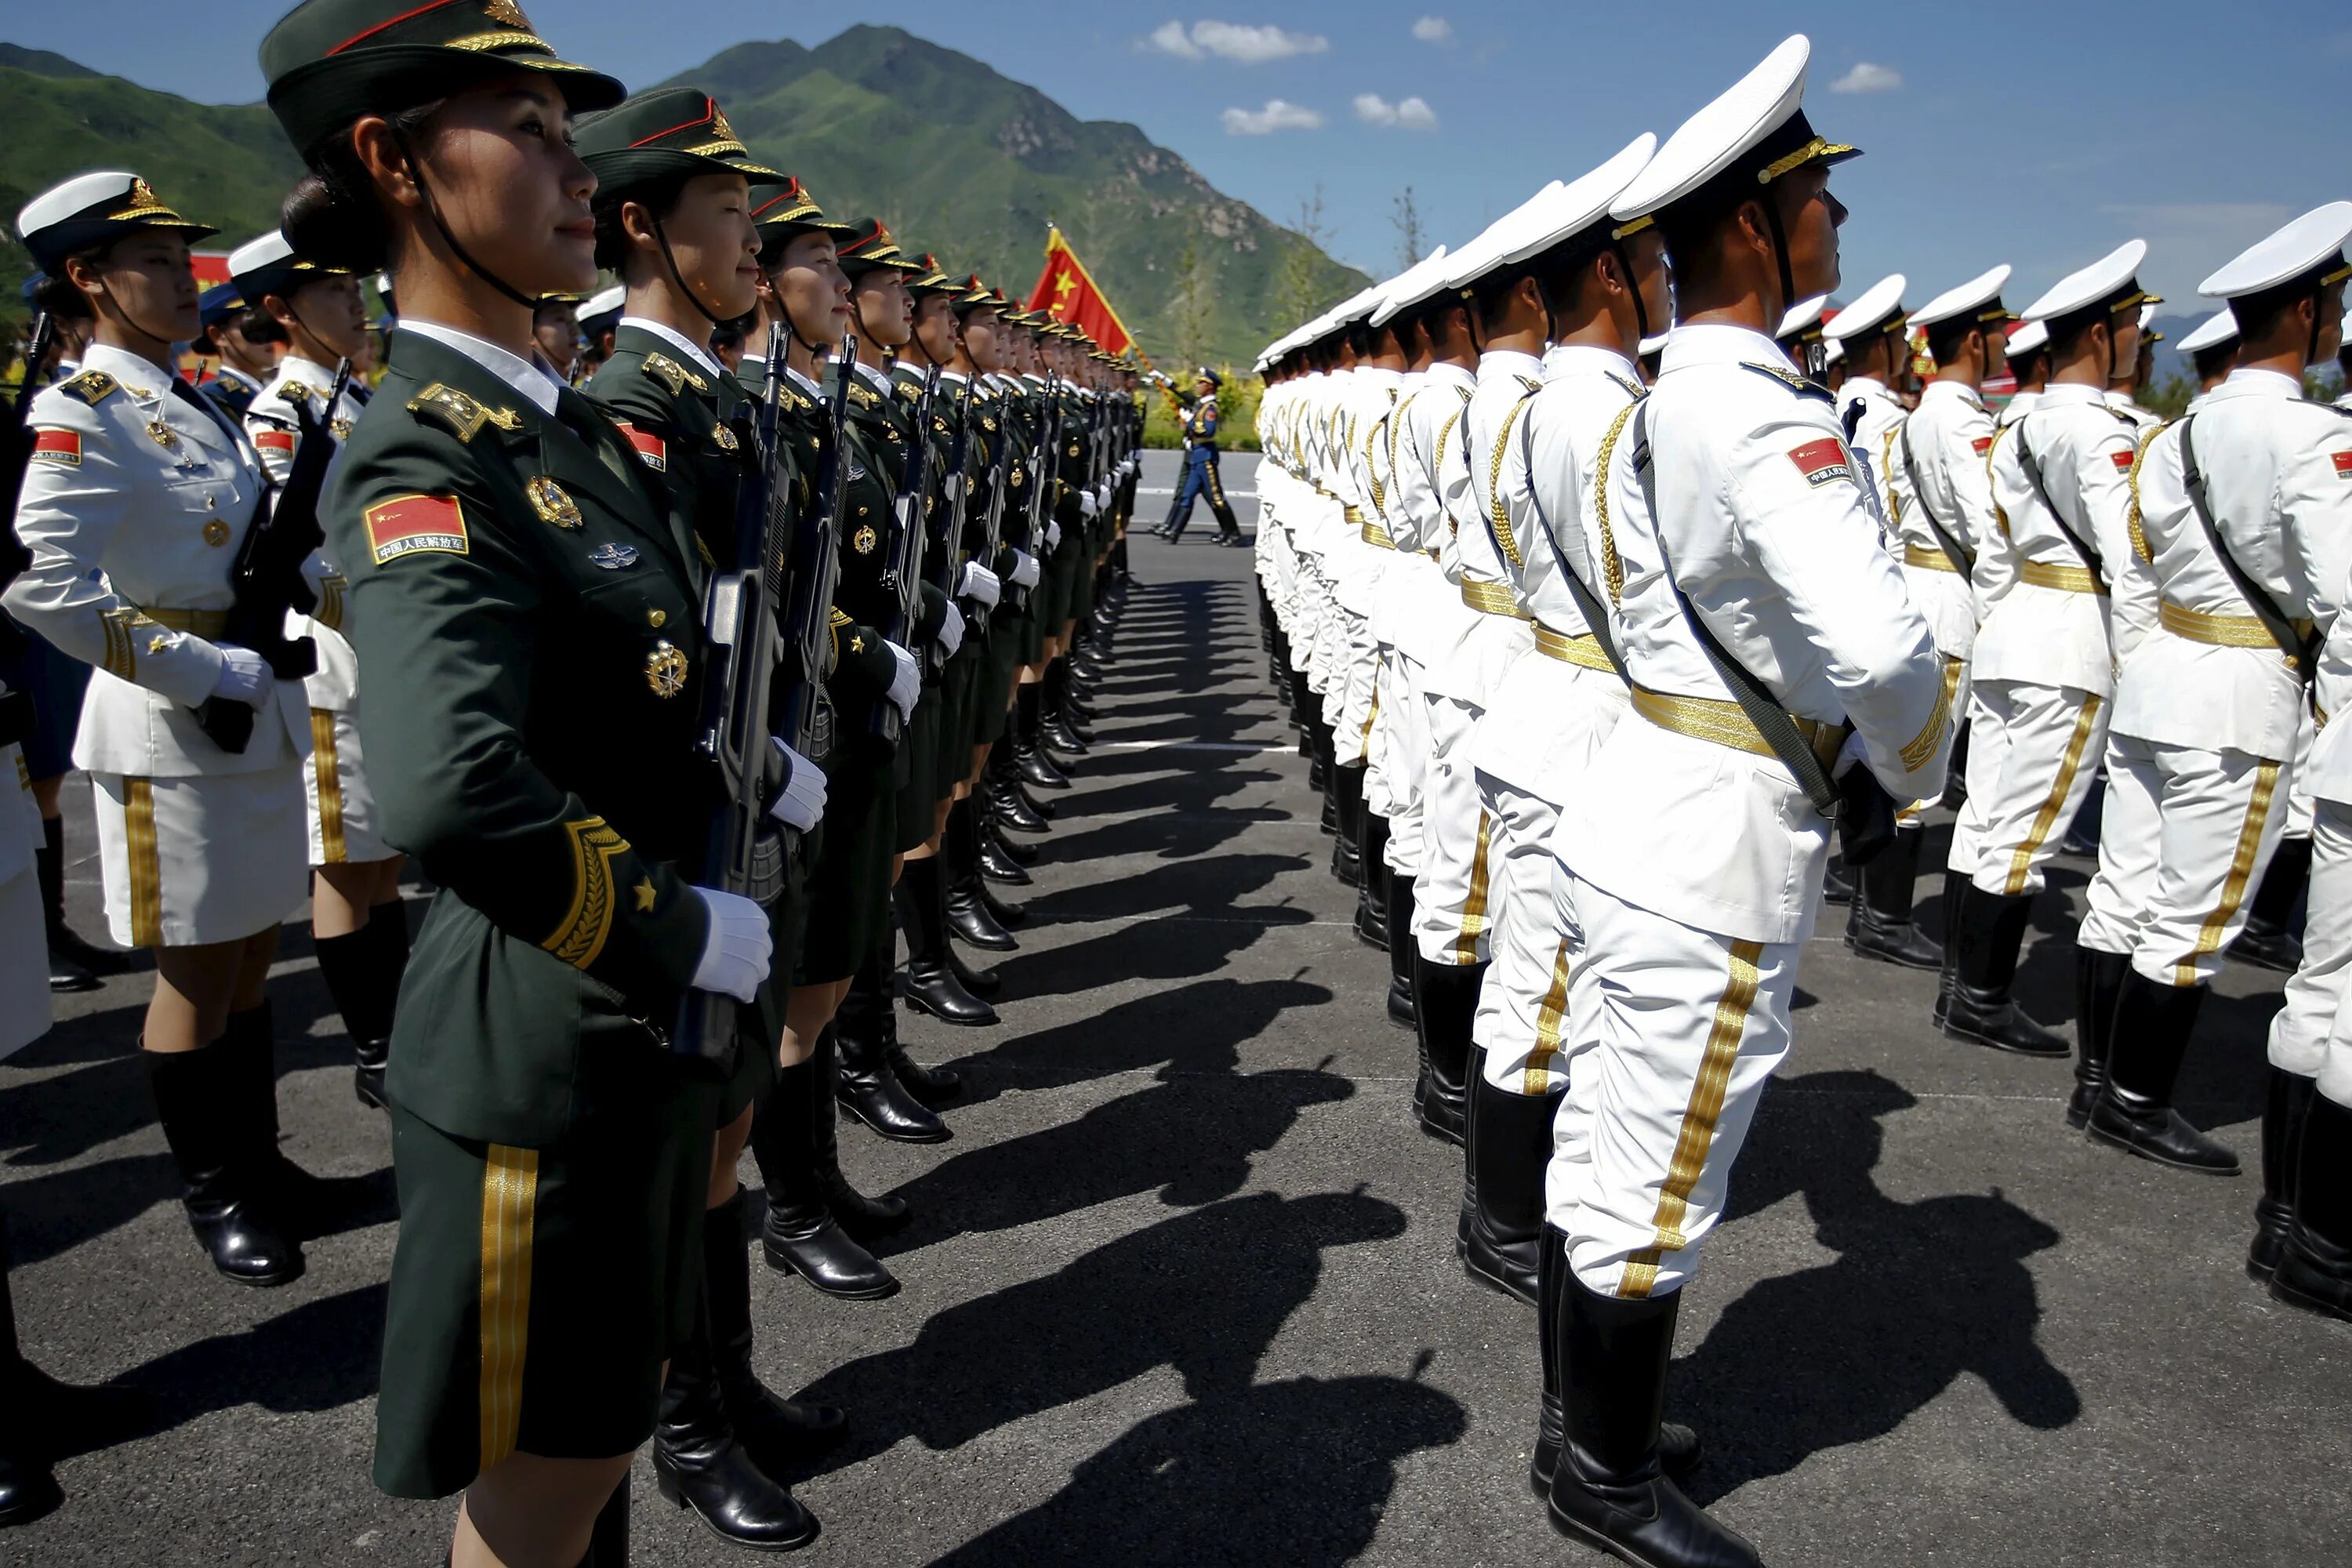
column 2299, row 649
column 1763, row 709
column 2032, row 466
column 1588, row 603
column 1959, row 555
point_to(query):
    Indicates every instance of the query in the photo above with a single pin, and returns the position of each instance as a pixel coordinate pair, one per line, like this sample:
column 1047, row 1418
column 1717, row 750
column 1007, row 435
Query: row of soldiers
column 531, row 628
column 1593, row 660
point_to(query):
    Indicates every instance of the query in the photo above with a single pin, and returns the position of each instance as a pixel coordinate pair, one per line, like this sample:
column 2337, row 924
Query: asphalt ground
column 1181, row 1289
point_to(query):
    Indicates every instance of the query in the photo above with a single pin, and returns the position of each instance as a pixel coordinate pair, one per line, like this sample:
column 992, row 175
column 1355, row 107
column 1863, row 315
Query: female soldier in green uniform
column 674, row 190
column 514, row 567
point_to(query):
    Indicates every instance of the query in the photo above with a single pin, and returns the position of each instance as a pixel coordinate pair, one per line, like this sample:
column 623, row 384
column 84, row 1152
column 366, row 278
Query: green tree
column 1189, row 308
column 1300, row 283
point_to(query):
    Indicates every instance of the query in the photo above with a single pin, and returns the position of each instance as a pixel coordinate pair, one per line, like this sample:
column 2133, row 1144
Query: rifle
column 809, row 572
column 744, row 850
column 267, row 576
column 1049, row 430
column 949, row 542
column 16, row 458
column 910, row 544
column 993, row 530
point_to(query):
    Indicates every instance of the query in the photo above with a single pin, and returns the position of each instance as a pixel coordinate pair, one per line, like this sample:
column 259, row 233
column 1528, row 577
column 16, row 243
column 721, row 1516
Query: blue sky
column 2040, row 135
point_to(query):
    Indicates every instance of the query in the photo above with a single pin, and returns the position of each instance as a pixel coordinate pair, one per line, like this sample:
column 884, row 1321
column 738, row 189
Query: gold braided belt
column 2066, row 579
column 1727, row 724
column 1353, row 513
column 1373, row 534
column 1928, row 560
column 1583, row 651
column 1491, row 598
column 2219, row 631
column 210, row 625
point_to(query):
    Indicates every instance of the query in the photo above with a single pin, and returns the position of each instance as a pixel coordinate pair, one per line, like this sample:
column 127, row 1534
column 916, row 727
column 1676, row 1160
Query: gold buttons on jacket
column 215, row 532
column 656, row 617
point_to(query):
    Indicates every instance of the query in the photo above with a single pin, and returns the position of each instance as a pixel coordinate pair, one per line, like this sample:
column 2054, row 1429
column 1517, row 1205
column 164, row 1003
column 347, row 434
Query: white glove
column 1852, row 752
column 1024, row 569
column 244, row 676
column 907, row 683
column 979, row 582
column 952, row 630
column 1088, row 504
column 1053, row 534
column 1102, row 495
column 737, row 948
column 802, row 806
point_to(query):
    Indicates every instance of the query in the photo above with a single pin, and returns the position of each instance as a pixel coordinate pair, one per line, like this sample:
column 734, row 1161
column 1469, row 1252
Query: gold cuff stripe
column 146, row 867
column 1474, row 907
column 1700, row 1119
column 330, row 612
column 329, row 782
column 1583, row 651
column 1550, row 1014
column 2066, row 579
column 509, row 1197
column 1612, row 570
column 2242, row 873
column 581, row 938
column 122, row 624
column 2219, row 631
column 1922, row 746
column 1491, row 598
column 1373, row 534
column 2021, row 860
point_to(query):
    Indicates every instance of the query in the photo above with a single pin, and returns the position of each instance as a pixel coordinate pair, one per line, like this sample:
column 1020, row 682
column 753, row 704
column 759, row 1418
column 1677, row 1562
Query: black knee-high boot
column 2151, row 1030
column 1678, row 1446
column 1445, row 1006
column 201, row 1099
column 2286, row 1109
column 75, row 964
column 930, row 984
column 2314, row 1273
column 363, row 971
column 800, row 1234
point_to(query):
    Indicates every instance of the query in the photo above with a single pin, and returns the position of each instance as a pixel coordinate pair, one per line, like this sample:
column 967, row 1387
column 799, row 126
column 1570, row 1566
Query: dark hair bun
column 328, row 223
column 53, row 295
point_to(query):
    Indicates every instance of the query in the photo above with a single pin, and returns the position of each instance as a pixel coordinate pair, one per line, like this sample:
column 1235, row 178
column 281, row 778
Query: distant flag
column 1067, row 293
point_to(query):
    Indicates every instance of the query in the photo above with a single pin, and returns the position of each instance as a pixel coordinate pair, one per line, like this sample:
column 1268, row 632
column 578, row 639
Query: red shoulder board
column 2343, row 461
column 62, row 447
column 1982, row 444
column 651, row 448
column 273, row 440
column 2123, row 461
column 1821, row 462
column 406, row 525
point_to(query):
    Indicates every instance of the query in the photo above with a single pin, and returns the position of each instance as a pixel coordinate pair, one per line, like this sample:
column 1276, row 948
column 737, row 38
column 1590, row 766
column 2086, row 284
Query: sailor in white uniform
column 2045, row 655
column 1877, row 358
column 1747, row 561
column 137, row 498
column 358, row 928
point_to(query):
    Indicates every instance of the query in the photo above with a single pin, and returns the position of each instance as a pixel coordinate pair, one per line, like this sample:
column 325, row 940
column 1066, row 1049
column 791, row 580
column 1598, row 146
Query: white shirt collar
column 1712, row 343
column 814, row 389
column 677, row 339
column 532, row 380
column 2248, row 381
column 870, row 374
column 1496, row 363
column 141, row 377
column 1565, row 359
column 227, row 372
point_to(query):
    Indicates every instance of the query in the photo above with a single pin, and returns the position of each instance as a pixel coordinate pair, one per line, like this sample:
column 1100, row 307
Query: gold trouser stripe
column 329, row 780
column 1699, row 1116
column 2066, row 579
column 2218, row 631
column 1582, row 650
column 1928, row 560
column 2021, row 862
column 146, row 871
column 1727, row 723
column 1371, row 715
column 1474, row 907
column 2242, row 872
column 1491, row 598
column 1373, row 534
column 1537, row 1080
column 509, row 1191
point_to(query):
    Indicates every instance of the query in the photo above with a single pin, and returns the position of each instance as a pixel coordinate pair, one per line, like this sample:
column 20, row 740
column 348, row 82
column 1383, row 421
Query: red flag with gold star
column 1066, row 292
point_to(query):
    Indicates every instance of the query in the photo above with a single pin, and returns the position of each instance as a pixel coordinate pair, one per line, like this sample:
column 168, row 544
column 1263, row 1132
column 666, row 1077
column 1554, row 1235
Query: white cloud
column 1169, row 39
column 1868, row 78
column 1277, row 115
column 1238, row 41
column 1411, row 114
column 1433, row 30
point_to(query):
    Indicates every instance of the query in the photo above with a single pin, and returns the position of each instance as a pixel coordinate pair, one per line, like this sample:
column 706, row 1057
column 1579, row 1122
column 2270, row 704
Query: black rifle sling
column 2299, row 649
column 2032, row 466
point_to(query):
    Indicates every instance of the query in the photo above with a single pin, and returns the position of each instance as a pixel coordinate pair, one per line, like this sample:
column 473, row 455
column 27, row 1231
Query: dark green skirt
column 849, row 891
column 918, row 750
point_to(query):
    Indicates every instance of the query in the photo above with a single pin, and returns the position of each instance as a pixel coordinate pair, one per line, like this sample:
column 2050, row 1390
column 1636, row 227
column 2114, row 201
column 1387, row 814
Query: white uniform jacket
column 2278, row 475
column 1939, row 454
column 1876, row 429
column 1486, row 554
column 1549, row 478
column 1741, row 467
column 275, row 430
column 132, row 508
column 1429, row 447
column 2049, row 625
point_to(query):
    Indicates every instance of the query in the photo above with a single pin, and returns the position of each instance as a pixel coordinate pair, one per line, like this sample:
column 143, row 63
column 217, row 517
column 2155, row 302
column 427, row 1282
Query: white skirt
column 344, row 828
column 215, row 858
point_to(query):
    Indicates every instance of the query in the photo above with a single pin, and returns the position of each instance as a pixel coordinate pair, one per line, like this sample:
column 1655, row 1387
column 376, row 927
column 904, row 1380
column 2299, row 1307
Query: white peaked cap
column 605, row 303
column 255, row 254
column 1880, row 301
column 2215, row 330
column 1562, row 212
column 1834, row 353
column 1802, row 316
column 2108, row 276
column 1411, row 287
column 1709, row 142
column 1484, row 254
column 2312, row 241
column 2026, row 339
column 1977, row 293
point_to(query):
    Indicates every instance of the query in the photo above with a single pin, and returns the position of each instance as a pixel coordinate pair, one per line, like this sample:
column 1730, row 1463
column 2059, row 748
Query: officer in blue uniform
column 1201, row 476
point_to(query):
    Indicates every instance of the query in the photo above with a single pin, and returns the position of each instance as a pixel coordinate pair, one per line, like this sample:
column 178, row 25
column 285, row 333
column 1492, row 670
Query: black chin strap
column 662, row 239
column 1780, row 256
column 433, row 211
column 1633, row 283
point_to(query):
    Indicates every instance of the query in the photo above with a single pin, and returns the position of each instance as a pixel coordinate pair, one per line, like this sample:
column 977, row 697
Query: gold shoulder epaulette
column 93, row 387
column 445, row 404
column 910, row 392
column 862, row 397
column 672, row 374
column 300, row 392
column 1791, row 380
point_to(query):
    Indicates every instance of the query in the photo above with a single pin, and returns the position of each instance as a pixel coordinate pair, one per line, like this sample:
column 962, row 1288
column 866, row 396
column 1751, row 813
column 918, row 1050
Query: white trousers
column 208, row 858
column 1452, row 889
column 2309, row 1035
column 1679, row 1029
column 1349, row 707
column 1403, row 721
column 2033, row 752
column 1515, row 1022
column 2184, row 838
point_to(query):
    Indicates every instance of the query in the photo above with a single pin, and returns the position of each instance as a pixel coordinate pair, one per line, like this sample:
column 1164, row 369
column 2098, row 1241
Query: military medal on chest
column 666, row 669
column 552, row 502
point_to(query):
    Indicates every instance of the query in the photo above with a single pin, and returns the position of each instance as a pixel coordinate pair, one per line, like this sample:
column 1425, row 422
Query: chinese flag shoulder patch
column 407, row 525
column 1982, row 445
column 651, row 448
column 275, row 440
column 2123, row 461
column 1821, row 462
column 60, row 446
column 2343, row 461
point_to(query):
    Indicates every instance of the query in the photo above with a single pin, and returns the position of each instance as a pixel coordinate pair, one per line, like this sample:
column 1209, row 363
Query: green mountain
column 956, row 158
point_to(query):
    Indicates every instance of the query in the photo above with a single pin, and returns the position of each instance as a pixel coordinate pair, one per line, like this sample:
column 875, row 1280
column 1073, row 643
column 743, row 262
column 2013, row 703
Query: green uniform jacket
column 529, row 609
